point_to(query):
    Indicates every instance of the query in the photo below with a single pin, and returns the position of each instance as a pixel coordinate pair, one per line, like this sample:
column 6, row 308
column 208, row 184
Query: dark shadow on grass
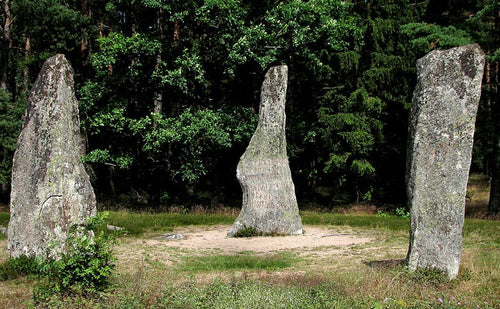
column 386, row 264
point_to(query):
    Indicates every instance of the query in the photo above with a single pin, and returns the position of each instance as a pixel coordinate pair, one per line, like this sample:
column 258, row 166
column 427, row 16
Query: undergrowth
column 84, row 269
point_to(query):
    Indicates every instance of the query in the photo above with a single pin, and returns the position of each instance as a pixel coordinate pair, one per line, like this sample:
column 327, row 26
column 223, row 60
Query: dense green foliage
column 169, row 90
column 10, row 125
column 85, row 267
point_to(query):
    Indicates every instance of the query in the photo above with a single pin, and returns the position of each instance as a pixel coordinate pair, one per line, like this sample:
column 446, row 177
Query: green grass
column 4, row 218
column 252, row 294
column 482, row 227
column 217, row 263
column 392, row 223
column 140, row 223
column 221, row 294
column 4, row 221
column 306, row 279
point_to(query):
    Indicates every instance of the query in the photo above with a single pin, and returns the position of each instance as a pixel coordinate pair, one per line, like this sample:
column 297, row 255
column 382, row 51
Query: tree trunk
column 84, row 42
column 493, row 79
column 158, row 97
column 7, row 43
column 494, row 203
column 26, row 78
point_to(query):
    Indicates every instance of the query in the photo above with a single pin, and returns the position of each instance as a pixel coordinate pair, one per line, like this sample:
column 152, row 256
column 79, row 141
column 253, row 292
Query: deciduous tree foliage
column 169, row 90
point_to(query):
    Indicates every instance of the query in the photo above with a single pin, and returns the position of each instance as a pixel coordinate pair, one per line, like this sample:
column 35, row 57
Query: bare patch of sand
column 215, row 238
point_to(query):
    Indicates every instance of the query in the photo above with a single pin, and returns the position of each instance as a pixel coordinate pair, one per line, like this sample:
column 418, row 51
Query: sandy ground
column 215, row 238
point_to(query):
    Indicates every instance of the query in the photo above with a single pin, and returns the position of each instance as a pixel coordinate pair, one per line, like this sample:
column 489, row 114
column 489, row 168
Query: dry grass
column 368, row 274
column 15, row 293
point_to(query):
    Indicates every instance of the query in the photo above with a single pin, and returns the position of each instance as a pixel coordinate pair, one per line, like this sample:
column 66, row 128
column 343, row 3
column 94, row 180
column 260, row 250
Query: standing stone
column 269, row 202
column 441, row 131
column 50, row 189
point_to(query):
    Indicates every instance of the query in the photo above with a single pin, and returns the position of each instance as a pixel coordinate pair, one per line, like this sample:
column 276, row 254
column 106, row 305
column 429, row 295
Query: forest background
column 169, row 90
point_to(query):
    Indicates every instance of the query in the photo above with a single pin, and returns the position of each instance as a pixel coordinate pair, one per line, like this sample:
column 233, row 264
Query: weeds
column 381, row 214
column 251, row 231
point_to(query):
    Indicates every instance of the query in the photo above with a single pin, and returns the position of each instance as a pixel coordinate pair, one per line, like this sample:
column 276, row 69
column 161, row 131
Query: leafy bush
column 381, row 214
column 86, row 266
column 402, row 213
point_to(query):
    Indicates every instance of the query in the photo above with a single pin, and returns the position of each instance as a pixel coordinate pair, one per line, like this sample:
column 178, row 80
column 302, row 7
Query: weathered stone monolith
column 50, row 188
column 269, row 202
column 441, row 130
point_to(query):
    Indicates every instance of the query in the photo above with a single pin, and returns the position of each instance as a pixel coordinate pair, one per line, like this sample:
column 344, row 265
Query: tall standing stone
column 441, row 133
column 269, row 202
column 50, row 189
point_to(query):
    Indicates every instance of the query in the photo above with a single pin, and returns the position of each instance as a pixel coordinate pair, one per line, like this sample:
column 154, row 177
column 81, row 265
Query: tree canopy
column 169, row 90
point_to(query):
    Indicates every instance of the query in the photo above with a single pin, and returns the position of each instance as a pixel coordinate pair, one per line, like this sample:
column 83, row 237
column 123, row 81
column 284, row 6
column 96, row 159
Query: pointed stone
column 50, row 188
column 269, row 202
column 441, row 131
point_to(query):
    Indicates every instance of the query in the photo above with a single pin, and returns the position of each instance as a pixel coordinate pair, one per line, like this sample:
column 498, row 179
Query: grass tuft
column 249, row 231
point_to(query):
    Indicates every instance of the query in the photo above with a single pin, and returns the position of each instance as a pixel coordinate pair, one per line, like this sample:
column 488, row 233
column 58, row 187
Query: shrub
column 86, row 266
column 381, row 214
column 402, row 213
